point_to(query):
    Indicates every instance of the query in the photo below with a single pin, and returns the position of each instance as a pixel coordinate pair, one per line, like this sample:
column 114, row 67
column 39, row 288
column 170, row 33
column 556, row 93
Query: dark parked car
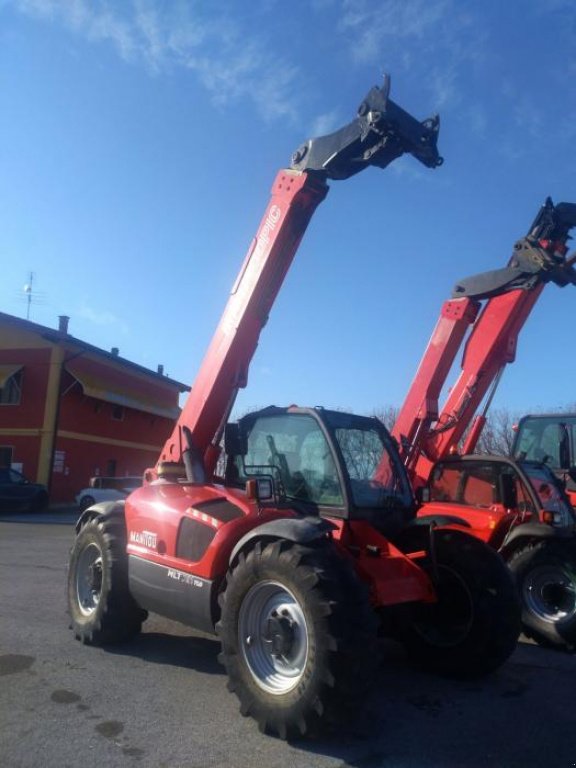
column 17, row 494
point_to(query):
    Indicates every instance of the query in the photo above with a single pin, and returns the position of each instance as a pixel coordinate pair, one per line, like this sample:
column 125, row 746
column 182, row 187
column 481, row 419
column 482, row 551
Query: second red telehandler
column 517, row 506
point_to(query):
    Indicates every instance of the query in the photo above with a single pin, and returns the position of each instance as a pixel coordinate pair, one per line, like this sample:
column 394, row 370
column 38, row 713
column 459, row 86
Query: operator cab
column 323, row 462
column 495, row 488
column 549, row 439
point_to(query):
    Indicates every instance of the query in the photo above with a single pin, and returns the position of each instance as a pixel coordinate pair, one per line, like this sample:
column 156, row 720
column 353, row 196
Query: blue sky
column 139, row 140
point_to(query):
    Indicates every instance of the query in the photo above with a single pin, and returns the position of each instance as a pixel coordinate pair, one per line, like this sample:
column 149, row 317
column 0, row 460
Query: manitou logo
column 144, row 539
column 273, row 217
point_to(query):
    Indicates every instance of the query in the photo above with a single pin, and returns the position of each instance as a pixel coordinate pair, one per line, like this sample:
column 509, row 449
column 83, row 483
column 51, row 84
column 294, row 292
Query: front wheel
column 545, row 573
column 298, row 636
column 85, row 502
column 100, row 605
column 474, row 625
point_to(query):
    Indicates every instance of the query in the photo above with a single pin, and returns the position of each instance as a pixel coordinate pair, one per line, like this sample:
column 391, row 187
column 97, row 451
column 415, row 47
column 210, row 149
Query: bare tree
column 498, row 433
column 496, row 437
column 387, row 415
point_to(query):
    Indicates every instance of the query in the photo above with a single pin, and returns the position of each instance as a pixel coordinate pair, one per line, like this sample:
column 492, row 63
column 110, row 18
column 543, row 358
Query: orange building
column 69, row 410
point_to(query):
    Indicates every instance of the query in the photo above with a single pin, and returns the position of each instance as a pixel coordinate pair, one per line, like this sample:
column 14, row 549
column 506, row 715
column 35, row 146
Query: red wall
column 30, row 412
column 92, row 419
column 97, row 438
column 83, row 460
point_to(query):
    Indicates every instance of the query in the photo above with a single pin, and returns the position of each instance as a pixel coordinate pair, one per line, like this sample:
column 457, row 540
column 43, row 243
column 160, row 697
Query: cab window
column 293, row 448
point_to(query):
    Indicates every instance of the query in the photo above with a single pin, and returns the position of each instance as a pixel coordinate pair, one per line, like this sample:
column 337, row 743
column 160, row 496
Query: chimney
column 63, row 323
column 115, row 351
column 161, row 370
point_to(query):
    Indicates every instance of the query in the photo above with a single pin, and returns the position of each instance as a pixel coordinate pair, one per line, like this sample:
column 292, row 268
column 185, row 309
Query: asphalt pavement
column 161, row 701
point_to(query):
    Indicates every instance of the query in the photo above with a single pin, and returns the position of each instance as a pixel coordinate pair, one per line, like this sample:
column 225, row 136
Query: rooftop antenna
column 31, row 295
column 28, row 294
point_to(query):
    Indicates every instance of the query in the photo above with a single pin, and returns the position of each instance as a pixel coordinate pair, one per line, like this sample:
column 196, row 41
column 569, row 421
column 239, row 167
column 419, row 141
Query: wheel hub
column 550, row 593
column 89, row 575
column 95, row 577
column 273, row 636
column 280, row 633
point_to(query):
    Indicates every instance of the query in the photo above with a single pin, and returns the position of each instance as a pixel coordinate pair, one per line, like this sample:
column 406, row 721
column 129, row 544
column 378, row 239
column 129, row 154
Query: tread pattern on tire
column 561, row 634
column 343, row 637
column 496, row 621
column 117, row 617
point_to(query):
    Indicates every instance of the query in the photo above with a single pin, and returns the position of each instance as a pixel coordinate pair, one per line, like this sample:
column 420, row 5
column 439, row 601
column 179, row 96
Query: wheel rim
column 446, row 623
column 273, row 636
column 550, row 593
column 89, row 579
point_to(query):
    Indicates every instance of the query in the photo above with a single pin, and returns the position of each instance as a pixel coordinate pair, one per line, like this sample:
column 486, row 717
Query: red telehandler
column 293, row 556
column 517, row 506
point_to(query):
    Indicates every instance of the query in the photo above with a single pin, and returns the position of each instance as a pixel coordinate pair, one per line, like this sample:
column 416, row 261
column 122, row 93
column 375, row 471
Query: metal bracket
column 381, row 132
column 540, row 257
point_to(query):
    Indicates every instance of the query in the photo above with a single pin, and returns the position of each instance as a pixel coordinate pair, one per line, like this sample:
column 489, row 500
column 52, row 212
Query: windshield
column 550, row 493
column 546, row 438
column 294, row 448
column 377, row 478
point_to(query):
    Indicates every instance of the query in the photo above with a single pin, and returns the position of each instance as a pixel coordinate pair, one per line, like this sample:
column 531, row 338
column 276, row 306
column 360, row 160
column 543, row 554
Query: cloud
column 326, row 123
column 101, row 317
column 477, row 119
column 434, row 41
column 181, row 34
column 391, row 22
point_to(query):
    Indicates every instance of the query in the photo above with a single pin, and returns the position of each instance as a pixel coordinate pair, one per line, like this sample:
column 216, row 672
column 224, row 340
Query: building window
column 111, row 468
column 6, row 456
column 118, row 412
column 12, row 389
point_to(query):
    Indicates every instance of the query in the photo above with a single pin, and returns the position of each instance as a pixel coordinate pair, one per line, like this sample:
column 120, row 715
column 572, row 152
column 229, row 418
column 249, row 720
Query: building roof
column 56, row 336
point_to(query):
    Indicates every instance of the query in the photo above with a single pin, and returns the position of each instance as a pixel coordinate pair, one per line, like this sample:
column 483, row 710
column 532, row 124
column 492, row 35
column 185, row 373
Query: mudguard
column 525, row 532
column 104, row 509
column 299, row 530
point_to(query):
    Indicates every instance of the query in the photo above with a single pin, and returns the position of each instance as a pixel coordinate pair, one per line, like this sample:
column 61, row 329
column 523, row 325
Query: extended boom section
column 381, row 132
column 427, row 434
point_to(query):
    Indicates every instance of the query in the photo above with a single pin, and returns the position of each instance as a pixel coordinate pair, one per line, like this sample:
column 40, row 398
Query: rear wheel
column 298, row 636
column 545, row 573
column 474, row 625
column 101, row 607
column 40, row 502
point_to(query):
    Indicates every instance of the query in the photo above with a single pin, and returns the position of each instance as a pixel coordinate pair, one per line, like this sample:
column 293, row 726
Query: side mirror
column 235, row 442
column 507, row 495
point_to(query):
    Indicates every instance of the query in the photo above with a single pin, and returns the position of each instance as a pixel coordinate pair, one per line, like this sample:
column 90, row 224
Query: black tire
column 545, row 573
column 85, row 502
column 310, row 648
column 40, row 503
column 101, row 608
column 474, row 626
